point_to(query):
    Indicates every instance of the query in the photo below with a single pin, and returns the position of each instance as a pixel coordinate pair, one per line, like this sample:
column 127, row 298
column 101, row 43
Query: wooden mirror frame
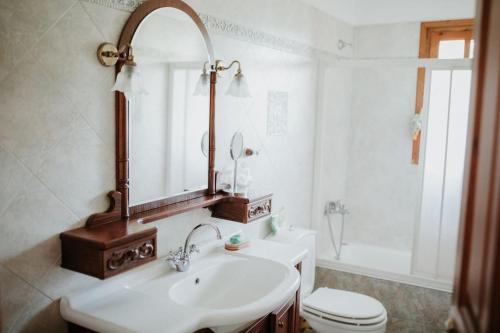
column 117, row 240
column 122, row 118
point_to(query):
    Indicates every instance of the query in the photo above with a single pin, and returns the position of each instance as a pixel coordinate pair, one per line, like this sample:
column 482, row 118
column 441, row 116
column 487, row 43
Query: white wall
column 57, row 135
column 365, row 12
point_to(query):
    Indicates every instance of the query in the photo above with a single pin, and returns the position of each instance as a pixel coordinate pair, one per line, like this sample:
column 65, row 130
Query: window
column 441, row 40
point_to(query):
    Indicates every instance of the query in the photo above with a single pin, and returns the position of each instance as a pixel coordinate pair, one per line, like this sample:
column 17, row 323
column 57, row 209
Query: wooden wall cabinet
column 108, row 250
column 242, row 209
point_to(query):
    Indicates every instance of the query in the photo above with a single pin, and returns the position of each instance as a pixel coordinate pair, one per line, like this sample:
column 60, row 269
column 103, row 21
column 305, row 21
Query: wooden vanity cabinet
column 283, row 320
column 260, row 326
column 280, row 321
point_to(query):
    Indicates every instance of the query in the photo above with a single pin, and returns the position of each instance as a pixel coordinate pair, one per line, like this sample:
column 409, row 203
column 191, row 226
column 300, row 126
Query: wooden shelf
column 109, row 235
column 179, row 208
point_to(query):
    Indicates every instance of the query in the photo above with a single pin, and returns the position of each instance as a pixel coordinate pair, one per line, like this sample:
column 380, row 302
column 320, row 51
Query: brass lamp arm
column 219, row 67
column 108, row 54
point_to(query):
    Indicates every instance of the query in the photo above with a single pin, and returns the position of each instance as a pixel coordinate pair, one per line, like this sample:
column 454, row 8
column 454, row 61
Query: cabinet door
column 283, row 320
column 260, row 326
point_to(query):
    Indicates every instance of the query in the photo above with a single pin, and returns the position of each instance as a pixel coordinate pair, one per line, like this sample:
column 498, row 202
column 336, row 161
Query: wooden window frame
column 431, row 33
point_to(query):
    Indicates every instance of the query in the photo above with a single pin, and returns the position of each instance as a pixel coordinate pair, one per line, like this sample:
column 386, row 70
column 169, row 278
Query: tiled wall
column 57, row 134
column 383, row 185
column 366, row 142
column 409, row 308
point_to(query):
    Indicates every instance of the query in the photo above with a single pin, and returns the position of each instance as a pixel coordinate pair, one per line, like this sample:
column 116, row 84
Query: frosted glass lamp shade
column 129, row 82
column 203, row 85
column 239, row 87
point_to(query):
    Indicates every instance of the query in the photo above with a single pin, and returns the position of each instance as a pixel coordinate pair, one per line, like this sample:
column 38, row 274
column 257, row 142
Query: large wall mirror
column 167, row 153
column 167, row 126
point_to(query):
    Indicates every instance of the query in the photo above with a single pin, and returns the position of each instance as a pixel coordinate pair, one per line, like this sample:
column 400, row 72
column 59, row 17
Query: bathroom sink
column 234, row 282
column 221, row 289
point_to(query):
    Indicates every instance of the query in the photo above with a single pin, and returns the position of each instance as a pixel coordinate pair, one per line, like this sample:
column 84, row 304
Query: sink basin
column 232, row 283
column 220, row 290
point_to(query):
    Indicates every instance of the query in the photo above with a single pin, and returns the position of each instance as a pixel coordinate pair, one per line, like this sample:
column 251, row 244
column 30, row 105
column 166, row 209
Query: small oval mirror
column 236, row 146
column 204, row 144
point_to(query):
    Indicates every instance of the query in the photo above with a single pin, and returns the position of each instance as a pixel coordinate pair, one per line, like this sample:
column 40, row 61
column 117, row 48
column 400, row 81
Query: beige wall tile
column 109, row 21
column 68, row 54
column 40, row 315
column 22, row 23
column 34, row 117
column 15, row 296
column 34, row 216
column 88, row 166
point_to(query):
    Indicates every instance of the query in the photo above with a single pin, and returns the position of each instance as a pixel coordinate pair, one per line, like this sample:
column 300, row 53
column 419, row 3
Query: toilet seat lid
column 345, row 304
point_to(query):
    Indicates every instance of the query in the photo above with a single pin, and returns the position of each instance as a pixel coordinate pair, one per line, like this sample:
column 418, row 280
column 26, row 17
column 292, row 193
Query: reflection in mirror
column 167, row 125
column 205, row 144
column 236, row 149
column 236, row 152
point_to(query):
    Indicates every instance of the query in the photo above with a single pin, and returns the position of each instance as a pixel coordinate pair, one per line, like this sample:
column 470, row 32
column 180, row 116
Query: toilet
column 331, row 310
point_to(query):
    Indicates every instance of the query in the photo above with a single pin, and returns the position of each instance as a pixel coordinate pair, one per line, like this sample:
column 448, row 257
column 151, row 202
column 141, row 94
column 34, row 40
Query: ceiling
column 366, row 12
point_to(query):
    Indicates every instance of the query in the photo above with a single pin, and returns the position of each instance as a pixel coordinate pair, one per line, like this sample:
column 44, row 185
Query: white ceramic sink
column 234, row 282
column 221, row 289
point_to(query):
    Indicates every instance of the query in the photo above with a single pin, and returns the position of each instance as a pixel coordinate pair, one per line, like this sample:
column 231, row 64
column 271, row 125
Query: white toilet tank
column 304, row 238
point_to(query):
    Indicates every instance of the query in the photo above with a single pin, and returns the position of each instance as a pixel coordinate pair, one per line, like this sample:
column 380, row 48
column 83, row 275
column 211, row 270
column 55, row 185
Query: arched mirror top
column 149, row 7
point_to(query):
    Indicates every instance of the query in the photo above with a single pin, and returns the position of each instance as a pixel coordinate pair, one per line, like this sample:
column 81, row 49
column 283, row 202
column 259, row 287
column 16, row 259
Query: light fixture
column 203, row 84
column 239, row 85
column 128, row 80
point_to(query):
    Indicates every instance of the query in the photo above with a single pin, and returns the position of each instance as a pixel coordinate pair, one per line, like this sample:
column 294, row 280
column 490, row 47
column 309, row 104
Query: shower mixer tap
column 336, row 207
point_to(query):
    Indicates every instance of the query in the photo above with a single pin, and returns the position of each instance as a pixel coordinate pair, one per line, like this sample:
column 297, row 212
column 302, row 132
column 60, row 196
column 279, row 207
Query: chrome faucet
column 181, row 259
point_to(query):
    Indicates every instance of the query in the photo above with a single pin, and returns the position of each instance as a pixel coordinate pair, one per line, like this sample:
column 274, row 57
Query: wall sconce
column 128, row 80
column 203, row 84
column 239, row 85
column 237, row 88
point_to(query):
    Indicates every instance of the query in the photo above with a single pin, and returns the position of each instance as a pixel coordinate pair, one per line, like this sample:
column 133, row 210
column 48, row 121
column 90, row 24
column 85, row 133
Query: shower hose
column 337, row 249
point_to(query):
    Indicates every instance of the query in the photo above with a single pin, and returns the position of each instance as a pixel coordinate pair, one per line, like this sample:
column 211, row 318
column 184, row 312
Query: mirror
column 236, row 151
column 168, row 144
column 236, row 148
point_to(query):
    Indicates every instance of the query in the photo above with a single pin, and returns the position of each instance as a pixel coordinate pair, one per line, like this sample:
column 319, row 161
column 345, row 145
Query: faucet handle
column 194, row 248
column 174, row 255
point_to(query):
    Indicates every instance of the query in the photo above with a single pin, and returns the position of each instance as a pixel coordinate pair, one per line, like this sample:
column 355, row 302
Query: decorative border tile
column 126, row 5
column 233, row 30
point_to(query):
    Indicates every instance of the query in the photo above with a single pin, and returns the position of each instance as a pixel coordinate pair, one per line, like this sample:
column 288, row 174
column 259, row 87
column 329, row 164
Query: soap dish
column 236, row 247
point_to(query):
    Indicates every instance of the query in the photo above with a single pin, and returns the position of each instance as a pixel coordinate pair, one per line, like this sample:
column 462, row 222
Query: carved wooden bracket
column 242, row 209
column 139, row 252
column 111, row 215
column 259, row 209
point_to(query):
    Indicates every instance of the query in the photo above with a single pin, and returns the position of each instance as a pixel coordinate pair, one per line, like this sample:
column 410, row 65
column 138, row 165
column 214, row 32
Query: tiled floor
column 410, row 308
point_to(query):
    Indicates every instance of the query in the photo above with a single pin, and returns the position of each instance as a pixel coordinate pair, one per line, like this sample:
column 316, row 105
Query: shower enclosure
column 403, row 221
